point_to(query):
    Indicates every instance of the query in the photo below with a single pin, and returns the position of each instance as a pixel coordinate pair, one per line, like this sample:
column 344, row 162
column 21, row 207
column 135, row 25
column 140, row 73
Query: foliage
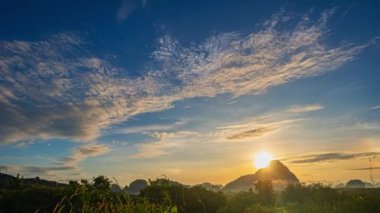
column 86, row 196
column 187, row 199
column 240, row 201
column 165, row 196
column 322, row 198
column 265, row 191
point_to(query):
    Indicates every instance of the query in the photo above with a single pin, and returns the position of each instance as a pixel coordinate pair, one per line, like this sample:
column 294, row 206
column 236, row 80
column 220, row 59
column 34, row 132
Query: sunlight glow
column 262, row 159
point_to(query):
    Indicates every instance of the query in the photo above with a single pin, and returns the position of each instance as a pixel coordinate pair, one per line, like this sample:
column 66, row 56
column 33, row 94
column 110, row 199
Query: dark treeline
column 163, row 195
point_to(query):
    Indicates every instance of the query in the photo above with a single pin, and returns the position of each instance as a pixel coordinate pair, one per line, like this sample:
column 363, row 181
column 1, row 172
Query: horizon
column 198, row 91
column 114, row 181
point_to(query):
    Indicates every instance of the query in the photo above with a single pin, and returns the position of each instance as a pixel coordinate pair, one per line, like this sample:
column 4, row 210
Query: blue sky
column 188, row 89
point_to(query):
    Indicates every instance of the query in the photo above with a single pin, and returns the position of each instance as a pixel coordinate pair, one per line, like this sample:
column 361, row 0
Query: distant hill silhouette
column 276, row 172
column 355, row 184
column 116, row 188
column 210, row 186
column 136, row 186
column 5, row 179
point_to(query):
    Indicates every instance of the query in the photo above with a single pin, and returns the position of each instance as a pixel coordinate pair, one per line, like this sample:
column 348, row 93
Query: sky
column 189, row 89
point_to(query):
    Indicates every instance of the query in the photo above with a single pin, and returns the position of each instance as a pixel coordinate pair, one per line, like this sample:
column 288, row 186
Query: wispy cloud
column 329, row 157
column 366, row 168
column 251, row 133
column 375, row 107
column 361, row 125
column 43, row 170
column 165, row 143
column 171, row 135
column 82, row 152
column 54, row 88
column 255, row 127
column 51, row 172
column 127, row 7
column 258, row 126
column 305, row 108
column 149, row 128
column 63, row 167
column 153, row 149
column 238, row 65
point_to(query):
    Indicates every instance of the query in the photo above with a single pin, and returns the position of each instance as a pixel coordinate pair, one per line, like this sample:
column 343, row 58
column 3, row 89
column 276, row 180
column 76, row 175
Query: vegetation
column 163, row 195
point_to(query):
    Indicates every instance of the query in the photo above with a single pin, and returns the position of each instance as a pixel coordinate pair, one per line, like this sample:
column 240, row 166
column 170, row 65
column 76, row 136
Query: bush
column 240, row 201
column 186, row 199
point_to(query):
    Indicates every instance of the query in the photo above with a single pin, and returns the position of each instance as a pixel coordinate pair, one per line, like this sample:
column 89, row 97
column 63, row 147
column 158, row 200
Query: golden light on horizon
column 262, row 159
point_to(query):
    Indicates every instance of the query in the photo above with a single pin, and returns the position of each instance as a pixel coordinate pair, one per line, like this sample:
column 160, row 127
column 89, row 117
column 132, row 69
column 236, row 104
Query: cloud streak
column 258, row 126
column 305, row 108
column 41, row 170
column 149, row 128
column 82, row 152
column 367, row 168
column 329, row 157
column 251, row 133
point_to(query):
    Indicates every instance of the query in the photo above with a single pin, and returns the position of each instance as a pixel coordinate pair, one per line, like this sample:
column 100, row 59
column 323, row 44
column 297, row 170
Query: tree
column 265, row 191
column 102, row 183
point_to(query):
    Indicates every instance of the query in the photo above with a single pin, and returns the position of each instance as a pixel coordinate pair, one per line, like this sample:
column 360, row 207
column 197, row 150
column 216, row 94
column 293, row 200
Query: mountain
column 243, row 183
column 116, row 188
column 276, row 172
column 5, row 179
column 38, row 181
column 355, row 184
column 136, row 186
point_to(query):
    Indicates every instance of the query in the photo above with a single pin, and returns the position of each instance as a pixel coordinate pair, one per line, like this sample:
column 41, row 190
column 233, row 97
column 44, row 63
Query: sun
column 262, row 159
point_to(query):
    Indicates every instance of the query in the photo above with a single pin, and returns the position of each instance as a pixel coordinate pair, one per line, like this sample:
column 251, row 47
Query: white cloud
column 238, row 65
column 50, row 90
column 305, row 108
column 375, row 107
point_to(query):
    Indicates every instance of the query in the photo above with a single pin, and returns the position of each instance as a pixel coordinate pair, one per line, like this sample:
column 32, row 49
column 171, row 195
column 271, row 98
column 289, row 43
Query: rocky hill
column 276, row 172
